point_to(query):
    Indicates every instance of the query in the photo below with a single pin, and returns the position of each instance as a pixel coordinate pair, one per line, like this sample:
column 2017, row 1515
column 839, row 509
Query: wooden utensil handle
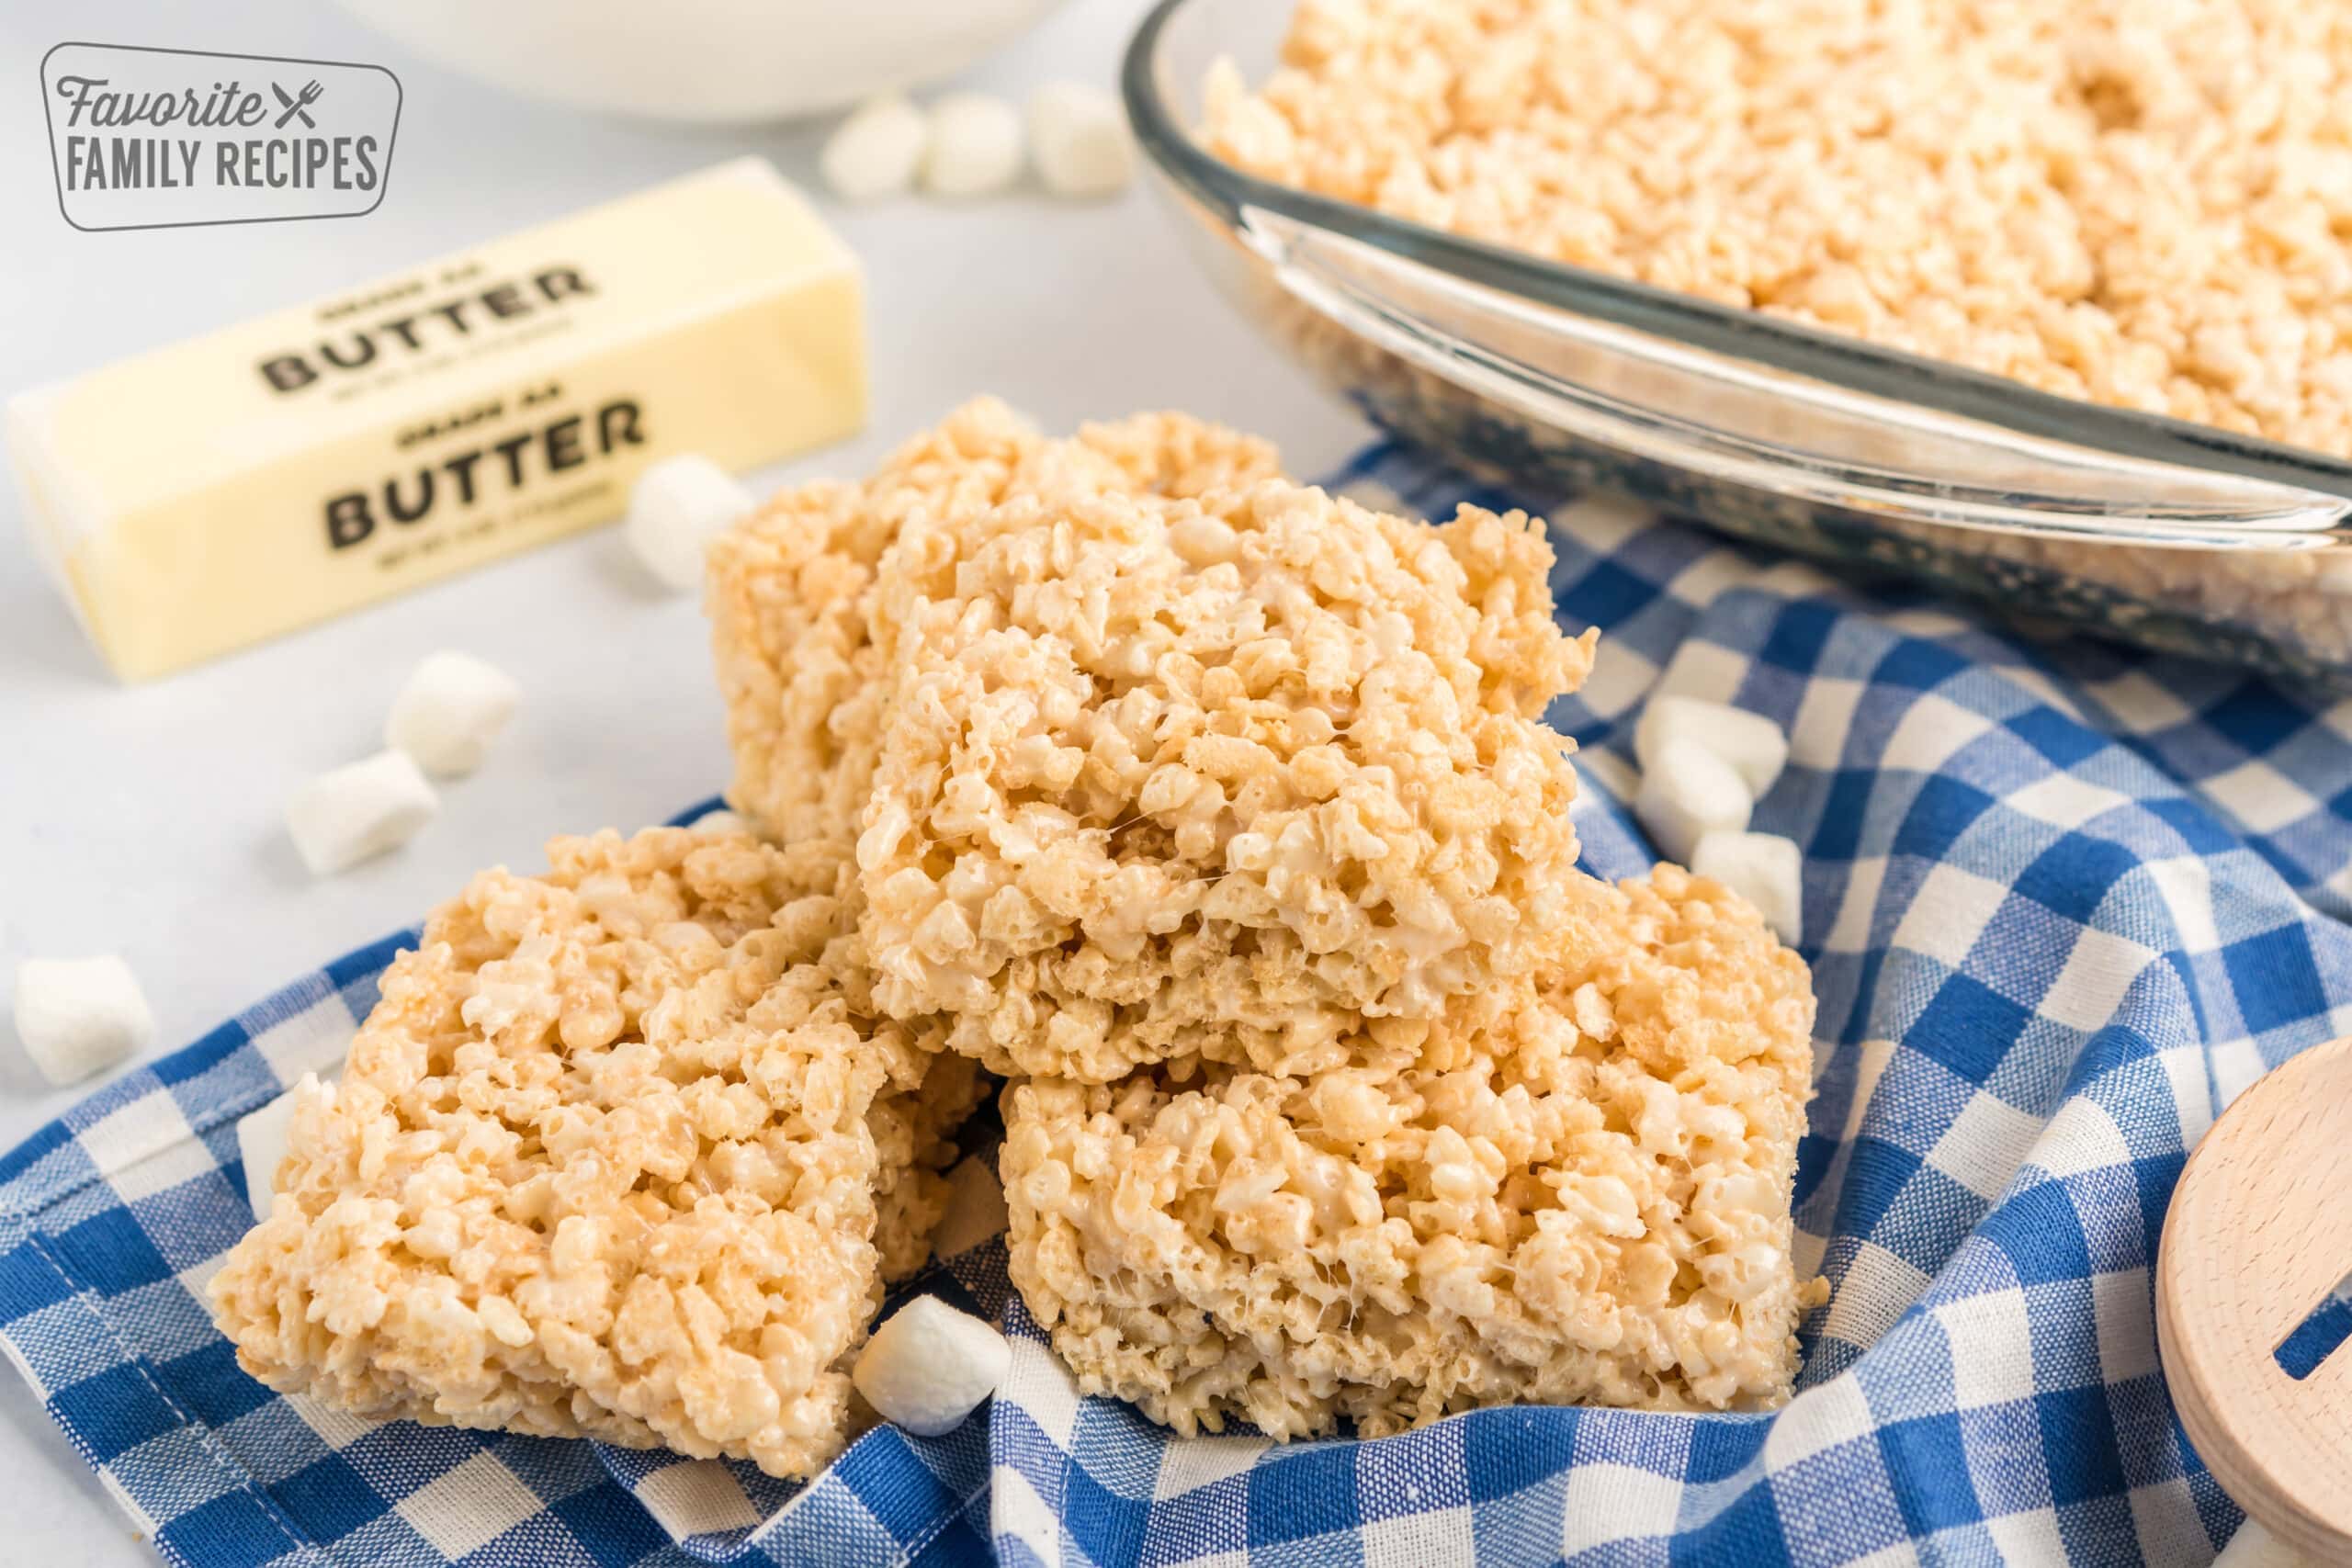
column 2259, row 1232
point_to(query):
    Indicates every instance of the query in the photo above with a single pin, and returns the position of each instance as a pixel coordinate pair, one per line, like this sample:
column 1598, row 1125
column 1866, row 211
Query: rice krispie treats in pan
column 1571, row 1191
column 2139, row 204
column 605, row 1161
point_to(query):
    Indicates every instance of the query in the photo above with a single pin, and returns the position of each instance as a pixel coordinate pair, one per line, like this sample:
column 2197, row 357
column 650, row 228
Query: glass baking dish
column 2156, row 531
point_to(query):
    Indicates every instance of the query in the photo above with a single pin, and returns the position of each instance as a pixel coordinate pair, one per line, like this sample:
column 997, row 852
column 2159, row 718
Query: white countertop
column 145, row 821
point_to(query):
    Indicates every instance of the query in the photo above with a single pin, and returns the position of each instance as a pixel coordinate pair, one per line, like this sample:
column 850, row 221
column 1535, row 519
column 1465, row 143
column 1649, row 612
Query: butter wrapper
column 215, row 492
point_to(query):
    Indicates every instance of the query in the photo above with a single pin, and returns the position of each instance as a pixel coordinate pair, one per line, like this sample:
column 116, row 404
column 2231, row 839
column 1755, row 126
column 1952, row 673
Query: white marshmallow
column 1688, row 792
column 1763, row 868
column 265, row 1136
column 974, row 147
column 261, row 1147
column 1079, row 138
column 1751, row 743
column 449, row 710
column 929, row 1366
column 875, row 152
column 78, row 1017
column 680, row 504
column 720, row 821
column 347, row 814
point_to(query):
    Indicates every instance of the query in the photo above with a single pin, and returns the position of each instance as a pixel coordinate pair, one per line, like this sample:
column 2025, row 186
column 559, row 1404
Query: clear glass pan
column 2171, row 535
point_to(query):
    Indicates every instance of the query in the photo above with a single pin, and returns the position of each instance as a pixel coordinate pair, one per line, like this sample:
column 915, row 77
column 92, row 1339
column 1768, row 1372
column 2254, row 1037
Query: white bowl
column 709, row 61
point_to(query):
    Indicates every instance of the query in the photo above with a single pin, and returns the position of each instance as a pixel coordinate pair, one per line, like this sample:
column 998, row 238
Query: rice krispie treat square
column 1575, row 1192
column 790, row 588
column 1147, row 751
column 605, row 1161
column 1220, row 775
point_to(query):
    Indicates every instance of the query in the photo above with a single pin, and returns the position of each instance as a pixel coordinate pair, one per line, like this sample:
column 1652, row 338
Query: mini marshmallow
column 680, row 504
column 875, row 152
column 929, row 1366
column 1763, row 868
column 1688, row 792
column 722, row 821
column 263, row 1138
column 1078, row 137
column 349, row 814
column 449, row 710
column 1751, row 743
column 78, row 1017
column 974, row 147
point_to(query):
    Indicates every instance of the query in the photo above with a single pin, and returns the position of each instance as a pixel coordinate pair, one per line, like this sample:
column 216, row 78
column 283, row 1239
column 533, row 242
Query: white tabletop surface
column 145, row 821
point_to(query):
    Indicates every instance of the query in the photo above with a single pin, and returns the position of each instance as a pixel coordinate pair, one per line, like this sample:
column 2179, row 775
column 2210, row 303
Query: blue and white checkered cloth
column 2062, row 903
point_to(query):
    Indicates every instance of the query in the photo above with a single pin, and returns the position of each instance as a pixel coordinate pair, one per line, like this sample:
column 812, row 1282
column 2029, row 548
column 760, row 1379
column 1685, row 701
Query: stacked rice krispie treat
column 1213, row 812
column 1218, row 814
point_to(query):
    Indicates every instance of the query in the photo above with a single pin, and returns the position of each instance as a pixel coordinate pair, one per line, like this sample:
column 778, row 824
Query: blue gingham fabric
column 2062, row 903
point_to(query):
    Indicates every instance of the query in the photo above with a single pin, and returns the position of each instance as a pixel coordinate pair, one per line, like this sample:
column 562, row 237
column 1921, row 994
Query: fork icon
column 297, row 105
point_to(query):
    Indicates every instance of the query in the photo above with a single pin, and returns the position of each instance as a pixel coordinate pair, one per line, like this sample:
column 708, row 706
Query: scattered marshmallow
column 449, row 710
column 929, row 1366
column 1763, row 868
column 1079, row 138
column 1751, row 743
column 680, row 504
column 349, row 814
column 262, row 1142
column 875, row 152
column 78, row 1017
column 1688, row 792
column 974, row 146
column 722, row 821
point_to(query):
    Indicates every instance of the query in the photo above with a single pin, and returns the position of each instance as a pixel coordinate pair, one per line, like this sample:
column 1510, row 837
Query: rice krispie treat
column 1572, row 1193
column 789, row 589
column 605, row 1161
column 2138, row 204
column 1147, row 751
column 1222, row 775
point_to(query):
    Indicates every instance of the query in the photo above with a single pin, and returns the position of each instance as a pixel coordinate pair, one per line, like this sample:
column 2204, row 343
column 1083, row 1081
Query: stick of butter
column 221, row 491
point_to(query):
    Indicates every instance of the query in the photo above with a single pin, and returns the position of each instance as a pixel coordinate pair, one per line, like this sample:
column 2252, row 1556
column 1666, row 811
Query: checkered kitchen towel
column 2061, row 904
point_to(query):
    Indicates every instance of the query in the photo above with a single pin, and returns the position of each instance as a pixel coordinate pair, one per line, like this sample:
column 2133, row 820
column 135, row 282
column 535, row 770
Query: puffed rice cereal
column 790, row 588
column 1174, row 755
column 1575, row 1192
column 1223, row 775
column 2137, row 203
column 605, row 1161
